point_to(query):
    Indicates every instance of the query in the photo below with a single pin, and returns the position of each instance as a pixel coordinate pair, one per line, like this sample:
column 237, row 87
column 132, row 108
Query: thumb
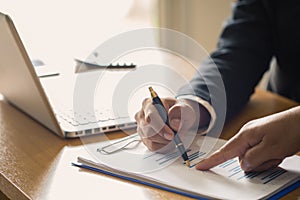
column 181, row 117
column 175, row 117
column 175, row 124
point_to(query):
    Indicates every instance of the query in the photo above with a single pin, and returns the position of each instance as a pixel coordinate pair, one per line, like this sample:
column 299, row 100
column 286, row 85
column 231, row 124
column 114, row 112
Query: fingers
column 260, row 144
column 158, row 125
column 236, row 146
column 181, row 116
column 267, row 165
column 152, row 128
column 214, row 160
column 150, row 122
column 259, row 157
column 154, row 142
column 153, row 118
column 228, row 152
column 153, row 131
column 254, row 159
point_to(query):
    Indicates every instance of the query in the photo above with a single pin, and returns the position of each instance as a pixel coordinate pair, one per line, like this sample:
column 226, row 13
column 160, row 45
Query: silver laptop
column 22, row 88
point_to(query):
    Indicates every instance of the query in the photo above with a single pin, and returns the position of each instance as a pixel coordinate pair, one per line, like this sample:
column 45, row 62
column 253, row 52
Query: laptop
column 22, row 88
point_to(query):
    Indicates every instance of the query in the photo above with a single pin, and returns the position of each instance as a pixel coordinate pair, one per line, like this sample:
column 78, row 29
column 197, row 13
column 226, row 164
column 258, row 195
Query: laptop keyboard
column 84, row 118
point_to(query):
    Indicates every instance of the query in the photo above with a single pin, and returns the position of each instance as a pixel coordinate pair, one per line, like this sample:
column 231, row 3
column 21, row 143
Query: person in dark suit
column 257, row 32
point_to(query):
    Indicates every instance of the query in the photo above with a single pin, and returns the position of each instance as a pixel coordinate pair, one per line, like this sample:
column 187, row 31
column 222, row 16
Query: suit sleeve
column 245, row 48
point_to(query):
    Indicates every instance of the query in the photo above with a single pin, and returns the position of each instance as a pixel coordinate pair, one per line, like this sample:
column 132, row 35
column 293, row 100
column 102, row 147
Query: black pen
column 164, row 115
column 109, row 66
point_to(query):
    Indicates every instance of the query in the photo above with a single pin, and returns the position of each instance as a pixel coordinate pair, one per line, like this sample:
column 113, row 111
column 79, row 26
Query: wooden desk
column 36, row 164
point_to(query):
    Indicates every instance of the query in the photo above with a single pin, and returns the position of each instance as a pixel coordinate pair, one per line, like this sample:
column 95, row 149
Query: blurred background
column 56, row 31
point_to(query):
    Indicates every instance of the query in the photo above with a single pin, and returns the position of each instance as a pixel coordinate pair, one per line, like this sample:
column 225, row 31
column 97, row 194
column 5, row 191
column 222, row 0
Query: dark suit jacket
column 257, row 31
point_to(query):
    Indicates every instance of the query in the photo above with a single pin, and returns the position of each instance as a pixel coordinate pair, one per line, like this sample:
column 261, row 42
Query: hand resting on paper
column 262, row 143
column 183, row 115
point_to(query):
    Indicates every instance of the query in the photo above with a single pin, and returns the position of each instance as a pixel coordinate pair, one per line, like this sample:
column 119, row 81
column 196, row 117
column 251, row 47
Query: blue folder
column 278, row 195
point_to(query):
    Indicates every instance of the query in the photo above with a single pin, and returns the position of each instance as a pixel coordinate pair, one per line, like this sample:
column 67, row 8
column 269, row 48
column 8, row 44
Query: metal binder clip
column 118, row 146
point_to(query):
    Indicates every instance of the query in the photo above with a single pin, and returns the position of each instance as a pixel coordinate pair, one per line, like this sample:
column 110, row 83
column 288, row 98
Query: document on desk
column 167, row 171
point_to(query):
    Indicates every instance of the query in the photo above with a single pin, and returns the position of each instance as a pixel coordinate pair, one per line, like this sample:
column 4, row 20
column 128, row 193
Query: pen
column 110, row 66
column 49, row 75
column 164, row 115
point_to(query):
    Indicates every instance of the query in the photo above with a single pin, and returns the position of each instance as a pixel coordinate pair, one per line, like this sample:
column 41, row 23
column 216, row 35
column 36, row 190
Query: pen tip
column 187, row 163
column 150, row 88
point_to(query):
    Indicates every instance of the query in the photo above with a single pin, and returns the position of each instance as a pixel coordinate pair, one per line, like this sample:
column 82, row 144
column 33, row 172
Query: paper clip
column 118, row 146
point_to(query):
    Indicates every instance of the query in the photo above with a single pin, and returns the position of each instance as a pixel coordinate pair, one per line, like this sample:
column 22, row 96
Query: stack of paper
column 167, row 171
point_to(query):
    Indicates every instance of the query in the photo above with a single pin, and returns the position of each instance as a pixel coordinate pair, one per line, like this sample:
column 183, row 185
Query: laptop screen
column 18, row 81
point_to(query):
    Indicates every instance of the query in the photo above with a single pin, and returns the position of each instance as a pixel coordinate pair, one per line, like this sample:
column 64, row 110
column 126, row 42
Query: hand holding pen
column 154, row 132
column 164, row 116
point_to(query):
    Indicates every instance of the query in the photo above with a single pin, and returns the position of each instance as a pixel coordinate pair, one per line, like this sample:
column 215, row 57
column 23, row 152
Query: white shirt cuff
column 209, row 108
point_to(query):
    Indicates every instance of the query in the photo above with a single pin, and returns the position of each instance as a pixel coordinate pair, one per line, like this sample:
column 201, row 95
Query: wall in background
column 200, row 19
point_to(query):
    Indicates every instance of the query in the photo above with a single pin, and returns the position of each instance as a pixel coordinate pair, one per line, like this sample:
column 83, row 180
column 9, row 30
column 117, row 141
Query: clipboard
column 226, row 180
column 276, row 196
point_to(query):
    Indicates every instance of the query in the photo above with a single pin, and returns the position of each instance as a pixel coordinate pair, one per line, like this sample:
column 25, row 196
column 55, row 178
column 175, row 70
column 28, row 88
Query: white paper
column 226, row 181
